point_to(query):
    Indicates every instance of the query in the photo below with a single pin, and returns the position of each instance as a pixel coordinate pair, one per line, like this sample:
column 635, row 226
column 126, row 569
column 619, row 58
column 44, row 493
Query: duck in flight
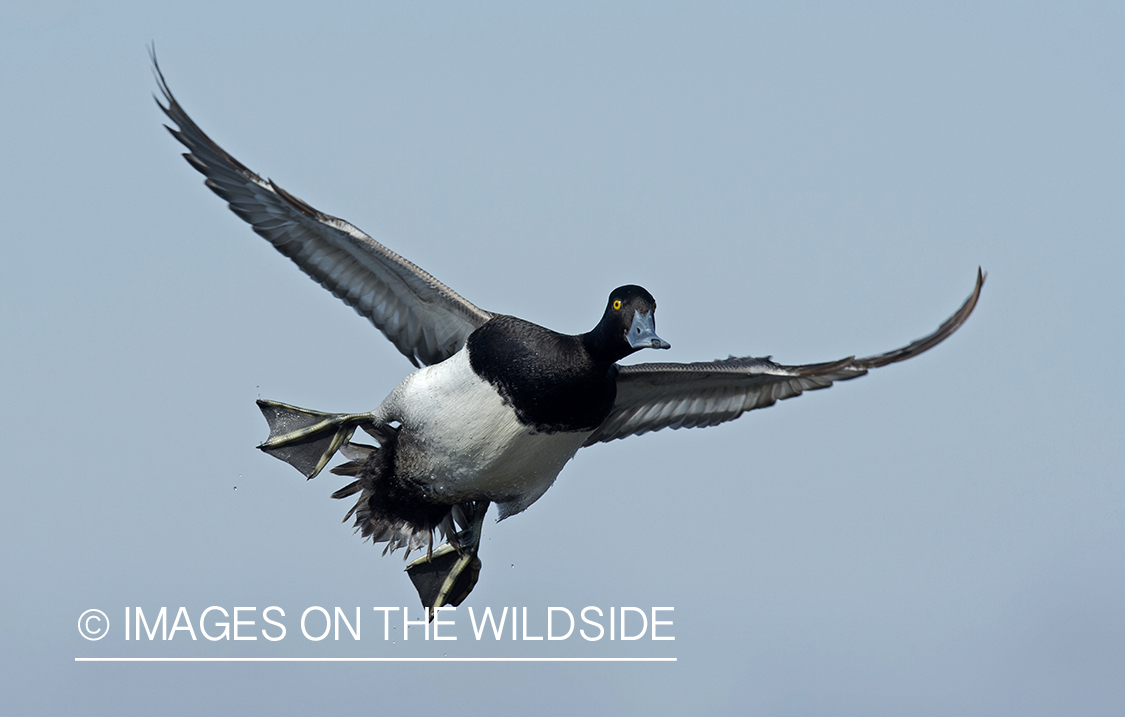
column 497, row 405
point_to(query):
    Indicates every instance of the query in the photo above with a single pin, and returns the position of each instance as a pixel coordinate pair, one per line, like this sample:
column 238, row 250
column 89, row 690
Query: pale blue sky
column 944, row 536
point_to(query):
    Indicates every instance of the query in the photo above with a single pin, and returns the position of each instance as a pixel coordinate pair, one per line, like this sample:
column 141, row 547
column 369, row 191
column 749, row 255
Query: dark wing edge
column 653, row 396
column 425, row 320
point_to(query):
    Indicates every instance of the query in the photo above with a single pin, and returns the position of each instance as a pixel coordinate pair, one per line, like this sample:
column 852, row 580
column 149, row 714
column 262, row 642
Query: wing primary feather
column 340, row 257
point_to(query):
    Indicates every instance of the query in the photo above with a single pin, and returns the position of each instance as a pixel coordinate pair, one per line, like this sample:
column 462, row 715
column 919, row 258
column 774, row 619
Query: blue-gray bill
column 642, row 332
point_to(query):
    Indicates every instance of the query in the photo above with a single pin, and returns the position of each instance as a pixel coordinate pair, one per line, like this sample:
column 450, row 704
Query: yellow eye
column 617, row 304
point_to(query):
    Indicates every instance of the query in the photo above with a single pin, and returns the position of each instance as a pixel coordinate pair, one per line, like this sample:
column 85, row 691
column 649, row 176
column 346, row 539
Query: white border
column 375, row 659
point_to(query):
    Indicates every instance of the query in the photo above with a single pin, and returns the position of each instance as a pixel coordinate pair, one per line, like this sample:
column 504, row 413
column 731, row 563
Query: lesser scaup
column 498, row 405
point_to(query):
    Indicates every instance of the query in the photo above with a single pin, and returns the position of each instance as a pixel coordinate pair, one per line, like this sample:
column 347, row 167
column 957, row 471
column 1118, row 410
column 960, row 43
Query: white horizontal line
column 375, row 659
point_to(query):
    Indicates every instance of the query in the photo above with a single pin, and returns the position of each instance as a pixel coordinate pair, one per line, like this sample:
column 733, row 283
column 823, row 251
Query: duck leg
column 447, row 575
column 307, row 439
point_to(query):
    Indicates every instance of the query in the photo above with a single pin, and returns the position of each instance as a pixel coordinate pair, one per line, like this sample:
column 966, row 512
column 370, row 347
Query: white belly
column 461, row 439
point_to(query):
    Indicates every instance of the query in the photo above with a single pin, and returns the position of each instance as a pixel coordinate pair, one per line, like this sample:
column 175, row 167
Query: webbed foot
column 307, row 439
column 448, row 574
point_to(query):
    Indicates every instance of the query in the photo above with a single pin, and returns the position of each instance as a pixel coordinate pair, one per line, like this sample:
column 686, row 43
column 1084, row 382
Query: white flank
column 460, row 437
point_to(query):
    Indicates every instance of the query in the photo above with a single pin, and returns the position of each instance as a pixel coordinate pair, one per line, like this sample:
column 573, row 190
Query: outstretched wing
column 652, row 396
column 425, row 319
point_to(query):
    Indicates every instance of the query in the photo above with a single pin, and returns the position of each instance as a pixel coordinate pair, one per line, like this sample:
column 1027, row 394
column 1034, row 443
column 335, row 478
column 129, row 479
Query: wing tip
column 943, row 332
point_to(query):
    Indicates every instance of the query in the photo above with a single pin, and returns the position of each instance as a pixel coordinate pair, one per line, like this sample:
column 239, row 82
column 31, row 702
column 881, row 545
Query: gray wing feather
column 425, row 320
column 652, row 396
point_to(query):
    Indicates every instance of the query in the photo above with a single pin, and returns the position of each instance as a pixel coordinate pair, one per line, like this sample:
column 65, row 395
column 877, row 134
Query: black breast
column 549, row 379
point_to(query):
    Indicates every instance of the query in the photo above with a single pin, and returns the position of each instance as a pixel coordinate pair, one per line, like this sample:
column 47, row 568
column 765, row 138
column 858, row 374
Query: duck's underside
column 386, row 510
